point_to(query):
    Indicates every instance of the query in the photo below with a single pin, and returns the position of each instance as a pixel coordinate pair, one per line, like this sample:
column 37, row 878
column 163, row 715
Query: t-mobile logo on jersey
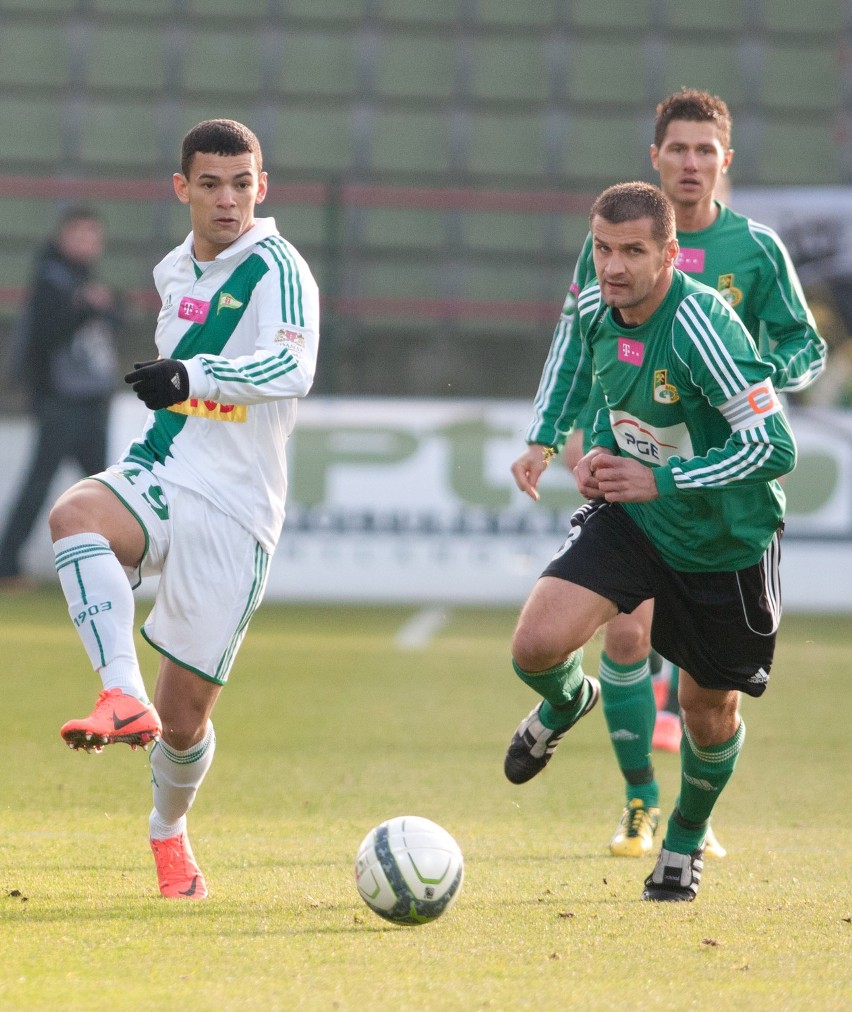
column 690, row 261
column 631, row 352
column 193, row 309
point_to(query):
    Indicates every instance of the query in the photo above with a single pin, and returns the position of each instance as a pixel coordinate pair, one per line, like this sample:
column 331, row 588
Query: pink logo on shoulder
column 690, row 261
column 193, row 309
column 631, row 352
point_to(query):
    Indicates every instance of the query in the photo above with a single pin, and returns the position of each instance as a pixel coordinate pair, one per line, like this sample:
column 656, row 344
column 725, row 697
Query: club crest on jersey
column 664, row 392
column 632, row 352
column 728, row 290
column 227, row 302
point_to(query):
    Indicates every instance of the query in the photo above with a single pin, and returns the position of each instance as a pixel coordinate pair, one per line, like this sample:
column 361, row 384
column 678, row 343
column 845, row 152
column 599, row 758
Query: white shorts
column 212, row 572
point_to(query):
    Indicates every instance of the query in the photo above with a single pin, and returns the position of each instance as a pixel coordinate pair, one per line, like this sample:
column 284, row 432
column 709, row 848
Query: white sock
column 101, row 606
column 175, row 779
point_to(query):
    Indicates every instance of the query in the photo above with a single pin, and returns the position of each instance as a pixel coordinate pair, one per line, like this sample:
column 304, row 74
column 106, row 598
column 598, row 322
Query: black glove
column 159, row 383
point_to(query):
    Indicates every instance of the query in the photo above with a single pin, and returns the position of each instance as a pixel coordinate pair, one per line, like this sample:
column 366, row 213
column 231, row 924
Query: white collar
column 260, row 230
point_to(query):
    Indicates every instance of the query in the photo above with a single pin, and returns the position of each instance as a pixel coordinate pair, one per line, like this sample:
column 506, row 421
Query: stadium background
column 434, row 160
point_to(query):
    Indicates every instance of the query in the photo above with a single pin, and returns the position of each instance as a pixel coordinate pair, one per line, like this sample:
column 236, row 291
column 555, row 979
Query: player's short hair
column 697, row 106
column 219, row 137
column 631, row 201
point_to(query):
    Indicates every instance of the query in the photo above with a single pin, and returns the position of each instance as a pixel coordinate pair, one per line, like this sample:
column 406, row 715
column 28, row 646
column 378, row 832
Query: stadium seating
column 138, row 9
column 721, row 15
column 626, row 14
column 223, row 62
column 227, row 8
column 315, row 62
column 506, row 148
column 114, row 65
column 411, row 98
column 795, row 76
column 509, row 70
column 41, row 6
column 416, row 143
column 510, row 13
column 600, row 150
column 308, row 139
column 19, row 41
column 598, row 71
column 435, row 12
column 398, row 228
column 31, row 129
column 341, row 11
column 793, row 149
column 716, row 67
column 426, row 71
column 119, row 135
column 820, row 17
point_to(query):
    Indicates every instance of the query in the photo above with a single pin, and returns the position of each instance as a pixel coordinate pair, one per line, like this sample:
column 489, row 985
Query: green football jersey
column 688, row 395
column 748, row 264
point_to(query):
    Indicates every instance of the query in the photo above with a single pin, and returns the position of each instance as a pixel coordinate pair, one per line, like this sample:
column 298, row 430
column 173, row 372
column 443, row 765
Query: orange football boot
column 116, row 717
column 178, row 874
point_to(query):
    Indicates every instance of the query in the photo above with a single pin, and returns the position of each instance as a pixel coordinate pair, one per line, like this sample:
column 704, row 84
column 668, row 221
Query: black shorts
column 719, row 627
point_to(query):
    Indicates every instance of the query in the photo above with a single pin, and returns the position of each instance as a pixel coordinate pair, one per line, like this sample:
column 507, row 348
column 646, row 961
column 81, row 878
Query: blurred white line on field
column 419, row 630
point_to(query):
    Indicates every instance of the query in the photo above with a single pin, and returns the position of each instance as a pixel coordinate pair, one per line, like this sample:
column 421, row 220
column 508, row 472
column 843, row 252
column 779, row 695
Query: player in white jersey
column 198, row 499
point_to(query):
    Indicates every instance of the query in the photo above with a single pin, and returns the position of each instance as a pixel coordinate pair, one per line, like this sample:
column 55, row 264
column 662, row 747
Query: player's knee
column 627, row 640
column 183, row 731
column 711, row 721
column 533, row 650
column 70, row 514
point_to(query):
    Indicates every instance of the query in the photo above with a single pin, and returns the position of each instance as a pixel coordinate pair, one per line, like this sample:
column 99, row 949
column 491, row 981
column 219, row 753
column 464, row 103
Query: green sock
column 563, row 688
column 627, row 695
column 704, row 773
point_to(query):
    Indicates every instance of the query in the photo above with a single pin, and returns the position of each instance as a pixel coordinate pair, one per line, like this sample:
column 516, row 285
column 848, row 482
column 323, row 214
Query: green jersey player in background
column 685, row 509
column 749, row 266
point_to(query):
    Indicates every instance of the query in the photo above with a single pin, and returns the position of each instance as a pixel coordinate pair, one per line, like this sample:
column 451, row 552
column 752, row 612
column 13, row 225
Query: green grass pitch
column 328, row 727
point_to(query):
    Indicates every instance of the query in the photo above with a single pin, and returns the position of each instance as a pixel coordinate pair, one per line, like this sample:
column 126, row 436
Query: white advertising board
column 409, row 501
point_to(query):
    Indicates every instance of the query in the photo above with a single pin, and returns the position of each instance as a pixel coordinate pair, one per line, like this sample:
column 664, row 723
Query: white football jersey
column 246, row 326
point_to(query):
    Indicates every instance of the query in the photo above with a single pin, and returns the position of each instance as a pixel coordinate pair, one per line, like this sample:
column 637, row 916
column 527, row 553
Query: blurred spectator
column 64, row 358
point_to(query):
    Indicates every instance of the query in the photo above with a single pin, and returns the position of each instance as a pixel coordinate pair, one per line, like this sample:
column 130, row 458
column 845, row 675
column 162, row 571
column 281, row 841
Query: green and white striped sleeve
column 566, row 378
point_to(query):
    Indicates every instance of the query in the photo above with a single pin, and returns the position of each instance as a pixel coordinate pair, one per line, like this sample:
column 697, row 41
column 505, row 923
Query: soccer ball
column 409, row 870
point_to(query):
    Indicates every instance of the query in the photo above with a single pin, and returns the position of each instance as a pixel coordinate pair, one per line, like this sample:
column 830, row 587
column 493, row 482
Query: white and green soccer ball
column 409, row 870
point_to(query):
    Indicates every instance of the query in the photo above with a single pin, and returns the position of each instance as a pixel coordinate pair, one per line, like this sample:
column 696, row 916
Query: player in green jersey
column 685, row 509
column 747, row 263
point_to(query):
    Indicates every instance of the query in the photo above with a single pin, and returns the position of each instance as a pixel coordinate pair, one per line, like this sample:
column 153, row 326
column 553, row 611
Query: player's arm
column 796, row 349
column 285, row 318
column 285, row 356
column 723, row 363
column 566, row 377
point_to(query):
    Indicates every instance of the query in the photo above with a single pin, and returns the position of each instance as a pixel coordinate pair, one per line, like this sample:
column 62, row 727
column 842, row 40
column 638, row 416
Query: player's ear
column 729, row 157
column 181, row 185
column 262, row 188
column 655, row 157
column 672, row 252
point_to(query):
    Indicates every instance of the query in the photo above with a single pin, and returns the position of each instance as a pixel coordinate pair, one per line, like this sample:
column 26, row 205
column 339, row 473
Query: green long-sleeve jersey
column 750, row 267
column 688, row 394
